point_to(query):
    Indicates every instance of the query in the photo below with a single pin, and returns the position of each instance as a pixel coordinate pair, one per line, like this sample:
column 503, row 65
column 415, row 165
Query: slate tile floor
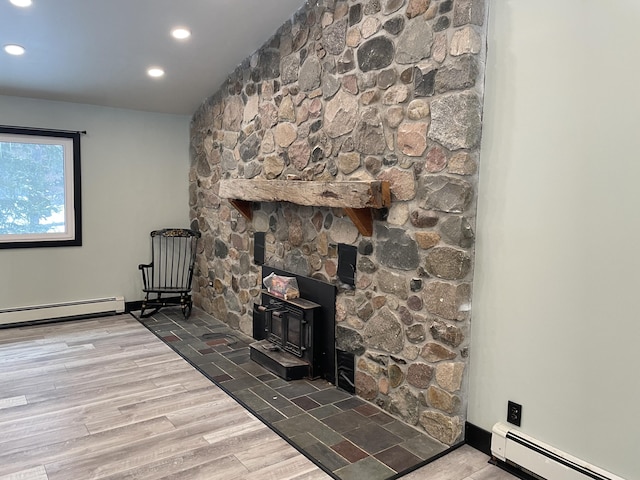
column 344, row 435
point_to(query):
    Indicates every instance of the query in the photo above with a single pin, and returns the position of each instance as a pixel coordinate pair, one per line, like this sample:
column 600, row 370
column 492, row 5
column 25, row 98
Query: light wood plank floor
column 105, row 399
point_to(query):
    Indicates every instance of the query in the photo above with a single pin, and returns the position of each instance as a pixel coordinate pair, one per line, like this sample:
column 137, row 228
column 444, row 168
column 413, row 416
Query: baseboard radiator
column 61, row 310
column 514, row 447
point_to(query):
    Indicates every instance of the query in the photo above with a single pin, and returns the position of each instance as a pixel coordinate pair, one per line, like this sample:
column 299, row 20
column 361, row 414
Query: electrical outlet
column 514, row 413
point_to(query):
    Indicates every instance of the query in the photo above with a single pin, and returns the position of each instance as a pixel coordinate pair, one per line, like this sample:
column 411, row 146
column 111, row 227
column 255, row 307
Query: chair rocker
column 167, row 279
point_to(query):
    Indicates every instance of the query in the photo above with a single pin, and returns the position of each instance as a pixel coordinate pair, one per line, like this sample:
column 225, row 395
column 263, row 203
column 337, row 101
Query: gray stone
column 365, row 265
column 424, row 81
column 415, row 42
column 394, row 25
column 289, row 67
column 252, row 169
column 416, row 333
column 456, row 230
column 441, row 427
column 228, row 160
column 296, row 262
column 423, row 219
column 402, row 183
column 349, row 340
column 355, row 14
column 384, row 332
column 334, row 37
column 390, row 6
column 468, row 11
column 250, row 147
column 414, row 302
column 447, row 300
column 446, row 194
column 340, row 115
column 434, row 352
column 369, row 135
column 269, row 64
column 375, row 54
column 220, row 249
column 405, row 315
column 346, row 62
column 365, row 311
column 233, row 113
column 446, row 333
column 448, row 263
column 396, row 249
column 330, row 86
column 393, row 283
column 343, row 231
column 386, row 78
column 419, row 374
column 405, row 404
column 460, row 74
column 441, row 24
column 372, row 7
column 398, row 213
column 203, row 168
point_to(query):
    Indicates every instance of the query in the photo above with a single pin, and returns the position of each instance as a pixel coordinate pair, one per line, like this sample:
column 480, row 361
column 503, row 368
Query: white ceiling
column 98, row 51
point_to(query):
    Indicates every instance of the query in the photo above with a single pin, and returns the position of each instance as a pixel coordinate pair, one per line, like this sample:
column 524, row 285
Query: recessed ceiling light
column 155, row 72
column 21, row 3
column 14, row 49
column 180, row 33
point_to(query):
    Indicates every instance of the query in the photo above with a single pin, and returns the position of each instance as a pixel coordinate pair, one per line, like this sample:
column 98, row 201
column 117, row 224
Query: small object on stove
column 283, row 287
column 271, row 347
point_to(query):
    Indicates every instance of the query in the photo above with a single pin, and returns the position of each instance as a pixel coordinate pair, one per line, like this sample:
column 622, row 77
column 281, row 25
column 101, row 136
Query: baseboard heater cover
column 512, row 446
column 61, row 310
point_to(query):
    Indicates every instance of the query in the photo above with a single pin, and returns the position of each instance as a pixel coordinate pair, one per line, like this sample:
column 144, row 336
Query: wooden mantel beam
column 356, row 197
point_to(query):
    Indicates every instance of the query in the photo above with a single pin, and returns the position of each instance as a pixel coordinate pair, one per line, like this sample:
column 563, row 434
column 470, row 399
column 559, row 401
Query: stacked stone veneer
column 372, row 89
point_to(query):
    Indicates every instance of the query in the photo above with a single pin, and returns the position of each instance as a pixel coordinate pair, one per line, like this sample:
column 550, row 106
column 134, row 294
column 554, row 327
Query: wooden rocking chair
column 167, row 279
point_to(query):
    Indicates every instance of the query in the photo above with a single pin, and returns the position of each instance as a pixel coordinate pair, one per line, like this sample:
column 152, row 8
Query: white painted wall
column 134, row 179
column 555, row 315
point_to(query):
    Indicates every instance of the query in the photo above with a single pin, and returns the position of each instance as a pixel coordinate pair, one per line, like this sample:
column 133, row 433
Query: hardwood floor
column 105, row 399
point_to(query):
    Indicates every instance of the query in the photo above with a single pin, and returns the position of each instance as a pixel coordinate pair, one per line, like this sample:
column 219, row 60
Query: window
column 39, row 188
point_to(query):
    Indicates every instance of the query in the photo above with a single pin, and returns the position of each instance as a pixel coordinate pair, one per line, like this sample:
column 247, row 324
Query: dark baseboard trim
column 477, row 438
column 132, row 306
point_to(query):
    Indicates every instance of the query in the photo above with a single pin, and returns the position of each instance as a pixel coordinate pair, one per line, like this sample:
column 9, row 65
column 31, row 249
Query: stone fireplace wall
column 351, row 90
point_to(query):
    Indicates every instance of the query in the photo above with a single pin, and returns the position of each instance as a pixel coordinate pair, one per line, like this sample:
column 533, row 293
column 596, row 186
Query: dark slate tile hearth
column 346, row 436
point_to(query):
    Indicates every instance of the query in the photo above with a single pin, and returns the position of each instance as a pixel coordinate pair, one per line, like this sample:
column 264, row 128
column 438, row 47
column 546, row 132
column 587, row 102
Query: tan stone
column 340, row 114
column 418, row 109
column 383, row 385
column 439, row 50
column 251, row 108
column 465, row 40
column 442, row 400
column 412, row 138
column 394, row 116
column 348, row 162
column 273, row 166
column 350, row 84
column 285, row 134
column 398, row 214
column 449, row 375
column 327, row 19
column 268, row 143
column 434, row 352
column 462, row 163
column 417, row 7
column 378, row 301
column 395, row 94
column 402, row 183
column 299, row 154
column 431, row 12
column 370, row 26
column 441, row 427
column 396, row 376
column 411, row 352
column 426, row 240
column 268, row 115
column 353, row 37
column 286, row 112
